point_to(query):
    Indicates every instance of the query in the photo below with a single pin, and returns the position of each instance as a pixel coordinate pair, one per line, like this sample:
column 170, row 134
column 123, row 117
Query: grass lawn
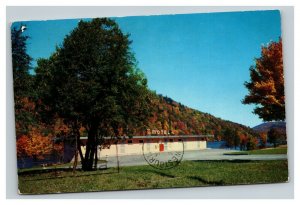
column 186, row 174
column 277, row 150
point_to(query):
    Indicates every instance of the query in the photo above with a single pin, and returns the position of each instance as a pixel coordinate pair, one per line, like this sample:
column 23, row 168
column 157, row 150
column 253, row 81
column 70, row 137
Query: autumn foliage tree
column 243, row 141
column 266, row 86
column 37, row 145
column 263, row 139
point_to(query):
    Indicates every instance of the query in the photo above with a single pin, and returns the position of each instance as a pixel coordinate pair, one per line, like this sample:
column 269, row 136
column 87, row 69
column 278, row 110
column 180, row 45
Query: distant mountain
column 265, row 127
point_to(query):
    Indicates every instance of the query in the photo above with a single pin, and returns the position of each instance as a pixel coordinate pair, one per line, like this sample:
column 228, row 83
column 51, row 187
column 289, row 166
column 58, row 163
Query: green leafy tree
column 92, row 81
column 231, row 138
column 252, row 143
column 275, row 136
column 266, row 86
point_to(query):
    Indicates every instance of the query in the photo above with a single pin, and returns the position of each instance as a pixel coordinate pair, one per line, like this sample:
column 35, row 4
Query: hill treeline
column 265, row 127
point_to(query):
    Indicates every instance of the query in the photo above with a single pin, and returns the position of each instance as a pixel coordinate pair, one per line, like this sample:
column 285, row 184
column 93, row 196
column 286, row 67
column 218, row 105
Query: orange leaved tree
column 266, row 86
column 37, row 145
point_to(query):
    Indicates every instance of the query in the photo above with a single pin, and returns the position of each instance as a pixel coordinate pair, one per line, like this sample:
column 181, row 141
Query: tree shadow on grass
column 43, row 171
column 229, row 161
column 214, row 183
column 163, row 174
column 240, row 161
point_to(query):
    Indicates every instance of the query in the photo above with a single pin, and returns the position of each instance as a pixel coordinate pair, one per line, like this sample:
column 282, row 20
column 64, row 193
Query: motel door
column 161, row 147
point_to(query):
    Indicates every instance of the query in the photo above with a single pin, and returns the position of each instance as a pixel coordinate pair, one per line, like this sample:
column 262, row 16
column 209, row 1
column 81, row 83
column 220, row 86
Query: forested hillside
column 168, row 114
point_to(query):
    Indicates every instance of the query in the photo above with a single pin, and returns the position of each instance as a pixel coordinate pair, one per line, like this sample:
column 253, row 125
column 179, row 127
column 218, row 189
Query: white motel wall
column 154, row 144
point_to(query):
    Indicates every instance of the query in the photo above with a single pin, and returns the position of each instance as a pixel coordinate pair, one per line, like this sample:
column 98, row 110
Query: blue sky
column 200, row 60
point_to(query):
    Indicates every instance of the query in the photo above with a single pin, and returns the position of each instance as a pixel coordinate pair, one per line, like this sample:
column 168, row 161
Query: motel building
column 137, row 145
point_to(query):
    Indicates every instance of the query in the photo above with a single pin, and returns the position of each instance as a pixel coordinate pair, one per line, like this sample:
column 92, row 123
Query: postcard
column 149, row 102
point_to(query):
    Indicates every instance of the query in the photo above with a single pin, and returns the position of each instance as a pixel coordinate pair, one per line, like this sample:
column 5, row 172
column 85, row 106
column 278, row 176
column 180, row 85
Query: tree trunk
column 76, row 154
column 87, row 164
column 77, row 146
column 118, row 163
column 96, row 158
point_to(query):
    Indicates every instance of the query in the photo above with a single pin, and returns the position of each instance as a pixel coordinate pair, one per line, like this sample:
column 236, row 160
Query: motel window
column 129, row 141
column 179, row 140
column 141, row 141
column 171, row 140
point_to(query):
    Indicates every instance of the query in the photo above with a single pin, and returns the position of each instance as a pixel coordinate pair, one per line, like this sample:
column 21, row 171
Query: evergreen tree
column 24, row 114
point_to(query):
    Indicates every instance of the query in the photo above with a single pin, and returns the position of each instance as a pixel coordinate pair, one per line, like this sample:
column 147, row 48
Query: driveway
column 207, row 154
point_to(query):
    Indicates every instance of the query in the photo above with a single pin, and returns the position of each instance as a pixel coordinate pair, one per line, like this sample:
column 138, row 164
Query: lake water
column 220, row 145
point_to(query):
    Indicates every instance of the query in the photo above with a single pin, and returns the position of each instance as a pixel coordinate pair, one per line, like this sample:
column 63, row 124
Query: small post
column 118, row 164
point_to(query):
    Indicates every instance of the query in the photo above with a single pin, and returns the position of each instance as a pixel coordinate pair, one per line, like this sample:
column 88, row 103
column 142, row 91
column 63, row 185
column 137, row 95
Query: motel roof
column 159, row 136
